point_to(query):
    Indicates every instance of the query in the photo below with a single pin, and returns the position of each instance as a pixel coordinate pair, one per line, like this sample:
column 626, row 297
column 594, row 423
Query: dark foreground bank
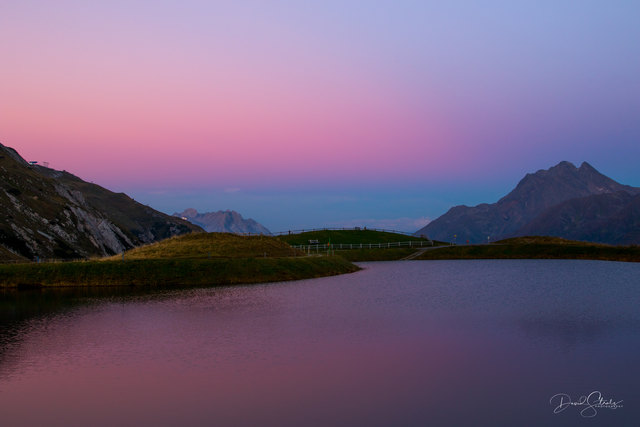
column 536, row 249
column 167, row 272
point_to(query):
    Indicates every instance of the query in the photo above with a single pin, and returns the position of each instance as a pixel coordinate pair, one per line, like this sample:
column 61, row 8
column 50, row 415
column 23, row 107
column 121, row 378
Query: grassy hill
column 534, row 247
column 359, row 237
column 198, row 259
column 543, row 240
column 213, row 245
column 347, row 236
column 375, row 254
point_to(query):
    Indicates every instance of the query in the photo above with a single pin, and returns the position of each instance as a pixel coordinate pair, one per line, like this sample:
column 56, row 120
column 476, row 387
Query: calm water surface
column 400, row 343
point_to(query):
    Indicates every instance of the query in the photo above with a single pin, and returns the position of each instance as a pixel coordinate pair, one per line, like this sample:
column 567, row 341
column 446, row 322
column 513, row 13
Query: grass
column 356, row 237
column 169, row 272
column 361, row 255
column 534, row 247
column 347, row 236
column 537, row 240
column 212, row 245
column 198, row 259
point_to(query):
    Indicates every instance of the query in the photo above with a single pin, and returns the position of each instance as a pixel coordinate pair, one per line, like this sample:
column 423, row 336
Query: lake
column 411, row 343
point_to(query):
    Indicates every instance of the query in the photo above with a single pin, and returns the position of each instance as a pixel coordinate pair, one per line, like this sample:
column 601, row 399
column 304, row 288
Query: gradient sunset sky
column 328, row 113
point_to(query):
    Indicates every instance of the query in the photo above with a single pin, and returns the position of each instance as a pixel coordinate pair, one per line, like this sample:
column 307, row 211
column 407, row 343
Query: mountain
column 47, row 213
column 544, row 203
column 612, row 218
column 223, row 221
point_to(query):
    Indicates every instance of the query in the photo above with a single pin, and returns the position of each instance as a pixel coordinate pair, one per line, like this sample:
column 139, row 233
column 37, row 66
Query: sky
column 328, row 113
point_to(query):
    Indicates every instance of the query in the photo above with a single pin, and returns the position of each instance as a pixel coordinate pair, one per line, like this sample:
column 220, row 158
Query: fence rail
column 334, row 246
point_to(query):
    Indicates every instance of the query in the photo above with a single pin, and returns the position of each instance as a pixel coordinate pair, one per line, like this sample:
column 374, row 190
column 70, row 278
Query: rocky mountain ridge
column 45, row 213
column 223, row 221
column 563, row 201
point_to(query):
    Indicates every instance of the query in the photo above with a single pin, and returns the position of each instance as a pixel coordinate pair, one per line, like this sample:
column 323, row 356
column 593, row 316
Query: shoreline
column 535, row 251
column 170, row 272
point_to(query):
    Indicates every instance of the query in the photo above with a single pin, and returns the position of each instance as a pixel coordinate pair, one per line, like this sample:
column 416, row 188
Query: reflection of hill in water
column 21, row 309
column 571, row 331
column 21, row 305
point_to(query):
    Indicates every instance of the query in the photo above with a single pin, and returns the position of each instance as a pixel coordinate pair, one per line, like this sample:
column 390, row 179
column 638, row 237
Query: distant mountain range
column 563, row 201
column 45, row 213
column 223, row 221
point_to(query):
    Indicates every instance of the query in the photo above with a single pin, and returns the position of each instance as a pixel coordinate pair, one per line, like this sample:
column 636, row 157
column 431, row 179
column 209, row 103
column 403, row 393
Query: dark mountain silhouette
column 612, row 218
column 47, row 213
column 223, row 221
column 537, row 206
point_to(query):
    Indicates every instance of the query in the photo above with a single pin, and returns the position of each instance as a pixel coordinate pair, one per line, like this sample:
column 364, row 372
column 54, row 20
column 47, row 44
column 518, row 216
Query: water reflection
column 403, row 343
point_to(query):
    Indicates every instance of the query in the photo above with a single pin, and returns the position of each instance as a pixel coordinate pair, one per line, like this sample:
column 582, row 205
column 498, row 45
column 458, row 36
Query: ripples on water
column 400, row 343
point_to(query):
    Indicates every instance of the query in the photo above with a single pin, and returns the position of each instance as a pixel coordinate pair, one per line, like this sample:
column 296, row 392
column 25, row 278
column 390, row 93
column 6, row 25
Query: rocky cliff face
column 223, row 221
column 46, row 213
column 537, row 206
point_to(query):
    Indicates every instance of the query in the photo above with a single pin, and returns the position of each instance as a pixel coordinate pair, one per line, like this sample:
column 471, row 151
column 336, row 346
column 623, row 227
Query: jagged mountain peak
column 564, row 164
column 562, row 182
column 535, row 193
column 188, row 213
column 587, row 166
column 228, row 221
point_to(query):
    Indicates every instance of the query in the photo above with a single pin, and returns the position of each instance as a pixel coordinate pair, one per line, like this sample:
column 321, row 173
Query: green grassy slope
column 214, row 245
column 536, row 248
column 537, row 240
column 198, row 259
column 384, row 254
column 178, row 272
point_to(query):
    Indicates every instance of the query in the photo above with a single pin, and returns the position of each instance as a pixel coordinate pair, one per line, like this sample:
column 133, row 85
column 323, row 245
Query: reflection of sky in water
column 407, row 343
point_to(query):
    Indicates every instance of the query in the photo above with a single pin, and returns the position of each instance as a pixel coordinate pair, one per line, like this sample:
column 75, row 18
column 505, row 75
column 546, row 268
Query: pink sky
column 146, row 96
